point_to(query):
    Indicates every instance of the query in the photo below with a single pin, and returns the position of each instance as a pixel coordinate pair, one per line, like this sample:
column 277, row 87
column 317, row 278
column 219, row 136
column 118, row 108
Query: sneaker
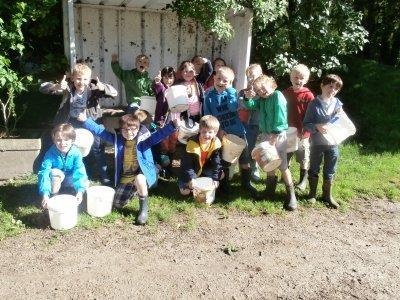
column 255, row 175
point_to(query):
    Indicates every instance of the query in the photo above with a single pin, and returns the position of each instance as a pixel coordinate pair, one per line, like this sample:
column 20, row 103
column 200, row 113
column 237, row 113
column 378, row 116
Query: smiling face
column 188, row 73
column 264, row 90
column 142, row 64
column 222, row 81
column 206, row 135
column 81, row 80
column 298, row 80
column 129, row 132
column 168, row 80
column 62, row 143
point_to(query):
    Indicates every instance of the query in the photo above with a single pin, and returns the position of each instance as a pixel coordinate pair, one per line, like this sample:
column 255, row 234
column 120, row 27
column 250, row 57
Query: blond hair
column 140, row 56
column 81, row 69
column 301, row 69
column 228, row 72
column 144, row 116
column 209, row 122
column 264, row 79
column 253, row 67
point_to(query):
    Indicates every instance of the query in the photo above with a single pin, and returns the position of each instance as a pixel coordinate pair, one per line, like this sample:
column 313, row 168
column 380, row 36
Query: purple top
column 162, row 104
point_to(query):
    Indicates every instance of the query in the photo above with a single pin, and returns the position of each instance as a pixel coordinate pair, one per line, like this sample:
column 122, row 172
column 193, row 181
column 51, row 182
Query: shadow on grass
column 20, row 199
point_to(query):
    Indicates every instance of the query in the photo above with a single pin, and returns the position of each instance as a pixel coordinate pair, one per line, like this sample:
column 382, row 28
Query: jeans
column 330, row 154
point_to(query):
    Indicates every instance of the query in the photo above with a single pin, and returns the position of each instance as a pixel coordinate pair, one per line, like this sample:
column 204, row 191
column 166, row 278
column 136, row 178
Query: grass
column 360, row 175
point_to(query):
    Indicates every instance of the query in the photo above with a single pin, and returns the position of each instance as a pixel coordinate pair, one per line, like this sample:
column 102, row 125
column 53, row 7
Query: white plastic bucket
column 292, row 139
column 84, row 140
column 63, row 211
column 232, row 147
column 204, row 190
column 99, row 200
column 148, row 103
column 177, row 98
column 266, row 156
column 339, row 129
column 185, row 133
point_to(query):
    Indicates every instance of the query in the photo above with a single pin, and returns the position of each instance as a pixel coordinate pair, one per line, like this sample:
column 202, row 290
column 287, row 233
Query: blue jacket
column 70, row 165
column 316, row 114
column 224, row 106
column 143, row 148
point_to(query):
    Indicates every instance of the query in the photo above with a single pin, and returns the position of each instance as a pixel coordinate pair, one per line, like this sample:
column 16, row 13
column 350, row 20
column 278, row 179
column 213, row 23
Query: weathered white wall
column 100, row 31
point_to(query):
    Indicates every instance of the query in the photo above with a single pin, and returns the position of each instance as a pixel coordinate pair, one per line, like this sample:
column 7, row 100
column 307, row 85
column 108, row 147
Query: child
column 273, row 125
column 136, row 81
column 221, row 102
column 250, row 119
column 202, row 156
column 203, row 68
column 319, row 112
column 195, row 92
column 298, row 97
column 162, row 82
column 62, row 166
column 134, row 165
column 82, row 95
column 217, row 63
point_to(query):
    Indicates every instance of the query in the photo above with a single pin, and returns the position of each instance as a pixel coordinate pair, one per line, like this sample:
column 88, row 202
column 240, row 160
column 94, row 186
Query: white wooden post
column 69, row 32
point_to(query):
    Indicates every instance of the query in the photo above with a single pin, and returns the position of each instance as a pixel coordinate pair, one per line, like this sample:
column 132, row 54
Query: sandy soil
column 309, row 254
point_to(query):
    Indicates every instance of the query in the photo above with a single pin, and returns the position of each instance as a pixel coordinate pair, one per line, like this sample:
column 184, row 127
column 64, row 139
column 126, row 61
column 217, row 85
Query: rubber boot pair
column 303, row 180
column 245, row 176
column 224, row 185
column 326, row 192
column 143, row 213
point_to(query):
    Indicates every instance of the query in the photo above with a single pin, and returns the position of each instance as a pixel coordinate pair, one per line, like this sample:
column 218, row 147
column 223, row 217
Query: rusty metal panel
column 91, row 39
column 169, row 40
column 204, row 43
column 187, row 40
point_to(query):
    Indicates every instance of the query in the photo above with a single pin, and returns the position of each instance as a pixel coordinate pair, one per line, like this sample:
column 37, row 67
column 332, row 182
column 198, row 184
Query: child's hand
column 157, row 79
column 221, row 134
column 82, row 117
column 79, row 197
column 191, row 184
column 215, row 183
column 100, row 85
column 321, row 128
column 272, row 139
column 177, row 122
column 45, row 199
column 114, row 57
column 63, row 83
column 250, row 93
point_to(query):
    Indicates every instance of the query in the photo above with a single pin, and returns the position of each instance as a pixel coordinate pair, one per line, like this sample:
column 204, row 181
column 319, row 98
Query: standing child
column 298, row 97
column 161, row 83
column 135, row 170
column 136, row 81
column 319, row 112
column 273, row 125
column 82, row 95
column 62, row 166
column 250, row 119
column 203, row 68
column 202, row 156
column 221, row 102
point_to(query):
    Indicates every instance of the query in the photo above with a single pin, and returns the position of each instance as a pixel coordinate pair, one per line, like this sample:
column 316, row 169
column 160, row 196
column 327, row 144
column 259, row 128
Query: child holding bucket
column 250, row 118
column 202, row 156
column 298, row 97
column 273, row 125
column 62, row 167
column 319, row 112
column 137, row 82
column 134, row 165
column 221, row 102
column 80, row 94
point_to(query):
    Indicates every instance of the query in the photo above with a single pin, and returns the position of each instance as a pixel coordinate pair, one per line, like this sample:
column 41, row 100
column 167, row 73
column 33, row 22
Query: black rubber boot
column 224, row 186
column 303, row 180
column 291, row 201
column 327, row 194
column 245, row 175
column 312, row 195
column 143, row 213
column 270, row 186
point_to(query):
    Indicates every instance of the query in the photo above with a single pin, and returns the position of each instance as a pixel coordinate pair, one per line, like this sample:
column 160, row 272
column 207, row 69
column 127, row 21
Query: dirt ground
column 308, row 254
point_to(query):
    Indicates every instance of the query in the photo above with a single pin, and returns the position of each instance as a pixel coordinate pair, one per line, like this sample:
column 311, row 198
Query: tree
column 315, row 32
column 13, row 80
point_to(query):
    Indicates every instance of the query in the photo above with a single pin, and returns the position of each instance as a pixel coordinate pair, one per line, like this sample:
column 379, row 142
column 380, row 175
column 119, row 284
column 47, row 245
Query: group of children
column 259, row 112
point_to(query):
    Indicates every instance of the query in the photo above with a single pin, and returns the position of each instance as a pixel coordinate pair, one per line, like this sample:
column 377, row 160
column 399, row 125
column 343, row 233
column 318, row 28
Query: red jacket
column 297, row 102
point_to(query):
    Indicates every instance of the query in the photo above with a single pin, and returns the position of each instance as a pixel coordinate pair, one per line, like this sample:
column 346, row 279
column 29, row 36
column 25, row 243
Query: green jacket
column 273, row 112
column 136, row 84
